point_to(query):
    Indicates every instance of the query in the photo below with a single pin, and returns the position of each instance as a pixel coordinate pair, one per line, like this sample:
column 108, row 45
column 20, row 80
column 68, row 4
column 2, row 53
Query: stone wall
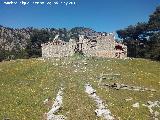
column 58, row 49
column 101, row 46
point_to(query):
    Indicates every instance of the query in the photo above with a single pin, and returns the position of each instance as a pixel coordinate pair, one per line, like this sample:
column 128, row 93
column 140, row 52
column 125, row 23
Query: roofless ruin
column 103, row 45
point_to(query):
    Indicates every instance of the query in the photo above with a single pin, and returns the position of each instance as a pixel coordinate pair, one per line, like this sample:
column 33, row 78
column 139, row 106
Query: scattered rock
column 152, row 90
column 57, row 117
column 89, row 89
column 85, row 63
column 149, row 102
column 55, row 107
column 45, row 101
column 104, row 78
column 152, row 105
column 118, row 86
column 136, row 105
column 102, row 111
column 6, row 119
column 156, row 113
column 129, row 99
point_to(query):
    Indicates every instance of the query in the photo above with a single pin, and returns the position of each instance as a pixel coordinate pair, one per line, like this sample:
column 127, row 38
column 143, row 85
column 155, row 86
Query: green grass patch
column 25, row 84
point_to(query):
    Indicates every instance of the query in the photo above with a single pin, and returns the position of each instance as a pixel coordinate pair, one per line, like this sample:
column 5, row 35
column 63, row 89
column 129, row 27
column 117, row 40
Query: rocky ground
column 80, row 88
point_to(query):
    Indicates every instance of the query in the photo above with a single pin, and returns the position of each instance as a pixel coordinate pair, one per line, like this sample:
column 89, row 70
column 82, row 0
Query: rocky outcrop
column 14, row 39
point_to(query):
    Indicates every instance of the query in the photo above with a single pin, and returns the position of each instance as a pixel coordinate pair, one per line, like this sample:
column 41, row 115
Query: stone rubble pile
column 55, row 107
column 102, row 111
column 119, row 86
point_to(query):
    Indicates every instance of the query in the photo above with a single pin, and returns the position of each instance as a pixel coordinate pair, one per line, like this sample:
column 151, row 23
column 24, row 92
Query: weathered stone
column 55, row 107
column 57, row 117
column 129, row 99
column 152, row 90
column 149, row 102
column 107, row 85
column 136, row 105
column 101, row 110
column 89, row 89
column 151, row 106
column 101, row 46
column 156, row 113
column 45, row 101
column 104, row 78
column 118, row 86
column 6, row 119
column 127, row 87
column 85, row 63
column 156, row 119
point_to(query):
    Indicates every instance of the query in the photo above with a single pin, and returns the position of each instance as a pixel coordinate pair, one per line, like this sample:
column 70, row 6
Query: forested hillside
column 26, row 42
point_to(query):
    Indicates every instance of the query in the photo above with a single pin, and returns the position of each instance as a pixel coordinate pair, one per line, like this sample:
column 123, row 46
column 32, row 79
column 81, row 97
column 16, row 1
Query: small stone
column 6, row 119
column 137, row 89
column 57, row 117
column 152, row 90
column 85, row 63
column 125, row 88
column 123, row 85
column 132, row 87
column 150, row 110
column 104, row 78
column 144, row 105
column 149, row 102
column 151, row 95
column 136, row 105
column 146, row 89
column 106, row 84
column 156, row 113
column 113, row 85
column 129, row 99
column 118, row 86
column 45, row 101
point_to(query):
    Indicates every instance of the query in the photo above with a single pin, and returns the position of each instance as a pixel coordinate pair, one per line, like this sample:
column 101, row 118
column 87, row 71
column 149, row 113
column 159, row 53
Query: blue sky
column 101, row 15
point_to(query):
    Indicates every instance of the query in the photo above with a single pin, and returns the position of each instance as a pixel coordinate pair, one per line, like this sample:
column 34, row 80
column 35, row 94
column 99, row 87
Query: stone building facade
column 101, row 46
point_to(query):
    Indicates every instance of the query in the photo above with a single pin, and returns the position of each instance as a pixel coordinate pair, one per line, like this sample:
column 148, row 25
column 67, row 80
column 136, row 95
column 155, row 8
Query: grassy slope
column 25, row 84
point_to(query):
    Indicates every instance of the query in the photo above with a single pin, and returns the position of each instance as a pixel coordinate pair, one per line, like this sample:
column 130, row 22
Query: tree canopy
column 143, row 39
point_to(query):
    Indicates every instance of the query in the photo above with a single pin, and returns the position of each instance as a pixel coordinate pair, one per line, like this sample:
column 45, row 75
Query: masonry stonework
column 100, row 46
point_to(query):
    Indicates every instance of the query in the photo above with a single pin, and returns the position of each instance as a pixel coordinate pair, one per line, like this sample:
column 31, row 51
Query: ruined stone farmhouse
column 103, row 45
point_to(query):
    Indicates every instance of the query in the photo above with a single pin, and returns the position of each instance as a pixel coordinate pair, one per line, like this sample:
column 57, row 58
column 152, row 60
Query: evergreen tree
column 143, row 39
